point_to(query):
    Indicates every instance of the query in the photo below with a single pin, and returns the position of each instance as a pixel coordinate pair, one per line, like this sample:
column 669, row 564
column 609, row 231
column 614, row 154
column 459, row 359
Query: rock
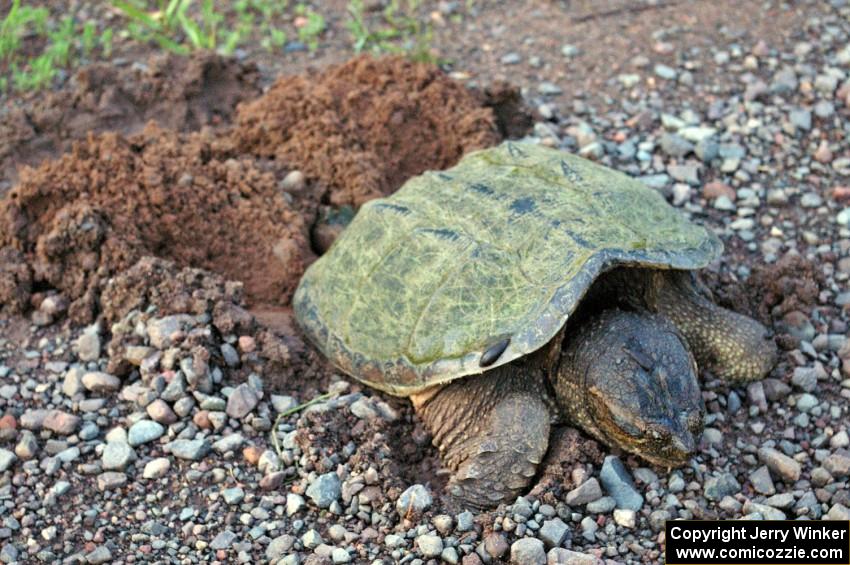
column 716, row 189
column 325, row 489
column 528, row 551
column 223, row 540
column 495, row 545
column 625, row 517
column 602, row 506
column 780, row 464
column 144, row 431
column 73, row 383
column 549, row 89
column 675, row 145
column 561, row 556
column 838, row 512
column 230, row 442
column 191, row 449
column 163, row 331
column 61, row 422
column 88, row 345
column 429, row 545
column 9, row 553
column 553, row 532
column 294, row 503
column 233, row 495
column 761, row 481
column 282, row 404
column 340, row 555
column 156, row 468
column 586, row 492
column 665, row 72
column 801, row 118
column 97, row 381
column 414, row 500
column 279, row 546
column 27, row 446
column 161, row 412
column 838, row 464
column 111, row 480
column 718, row 486
column 7, row 458
column 100, row 554
column 241, row 401
column 116, row 456
column 465, row 520
column 618, row 483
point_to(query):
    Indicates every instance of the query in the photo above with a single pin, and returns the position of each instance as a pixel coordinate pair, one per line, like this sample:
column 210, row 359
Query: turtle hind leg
column 734, row 347
column 492, row 432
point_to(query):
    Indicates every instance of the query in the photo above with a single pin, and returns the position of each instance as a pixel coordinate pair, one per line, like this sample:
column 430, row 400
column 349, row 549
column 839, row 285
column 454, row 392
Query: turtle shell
column 470, row 268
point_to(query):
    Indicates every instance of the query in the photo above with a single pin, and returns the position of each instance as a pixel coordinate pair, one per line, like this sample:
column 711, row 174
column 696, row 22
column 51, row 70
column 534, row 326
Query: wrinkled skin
column 625, row 373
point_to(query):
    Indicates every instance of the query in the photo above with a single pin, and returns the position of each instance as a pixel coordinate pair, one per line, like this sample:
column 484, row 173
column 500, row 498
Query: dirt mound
column 180, row 93
column 220, row 199
column 362, row 128
column 92, row 213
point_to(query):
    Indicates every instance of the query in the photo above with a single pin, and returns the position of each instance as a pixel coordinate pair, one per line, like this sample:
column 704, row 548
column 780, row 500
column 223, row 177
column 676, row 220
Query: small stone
column 192, row 450
column 549, row 89
column 144, row 431
column 625, row 517
column 97, row 381
column 100, row 554
column 586, row 492
column 282, row 404
column 561, row 556
column 340, row 555
column 27, row 446
column 838, row 463
column 241, row 401
column 156, row 468
column 7, row 458
column 279, row 546
column 429, row 545
column 465, row 521
column 528, row 551
column 163, row 331
column 294, row 503
column 495, row 545
column 223, row 540
column 73, row 382
column 161, row 412
column 233, row 495
column 325, row 490
column 294, row 182
column 553, row 532
column 111, row 480
column 602, row 506
column 414, row 500
column 116, row 456
column 761, row 481
column 61, row 422
column 784, row 466
column 617, row 481
column 801, row 118
column 570, row 51
column 718, row 486
column 88, row 345
column 230, row 442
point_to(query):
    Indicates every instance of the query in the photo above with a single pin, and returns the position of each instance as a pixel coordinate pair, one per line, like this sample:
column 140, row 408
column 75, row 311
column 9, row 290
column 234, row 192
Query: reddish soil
column 215, row 199
column 362, row 128
column 180, row 93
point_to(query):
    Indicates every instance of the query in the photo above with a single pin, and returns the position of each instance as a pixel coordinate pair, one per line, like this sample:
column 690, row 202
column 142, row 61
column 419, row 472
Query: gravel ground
column 175, row 462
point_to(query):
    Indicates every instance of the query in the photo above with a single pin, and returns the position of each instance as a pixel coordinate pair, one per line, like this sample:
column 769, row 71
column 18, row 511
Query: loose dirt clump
column 94, row 212
column 180, row 93
column 362, row 128
column 220, row 200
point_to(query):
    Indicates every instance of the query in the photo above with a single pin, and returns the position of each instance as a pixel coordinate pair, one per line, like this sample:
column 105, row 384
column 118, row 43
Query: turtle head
column 640, row 387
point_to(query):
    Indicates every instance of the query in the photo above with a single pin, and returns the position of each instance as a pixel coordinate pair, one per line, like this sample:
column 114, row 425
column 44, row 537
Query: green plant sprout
column 401, row 31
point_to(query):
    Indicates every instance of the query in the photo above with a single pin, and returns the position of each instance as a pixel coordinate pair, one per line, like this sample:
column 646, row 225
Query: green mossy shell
column 502, row 246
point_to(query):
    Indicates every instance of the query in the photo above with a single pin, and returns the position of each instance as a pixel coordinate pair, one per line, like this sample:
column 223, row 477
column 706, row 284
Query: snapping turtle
column 525, row 287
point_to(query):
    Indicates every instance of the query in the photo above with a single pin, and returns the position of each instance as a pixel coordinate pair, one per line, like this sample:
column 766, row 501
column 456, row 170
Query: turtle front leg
column 734, row 347
column 492, row 431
